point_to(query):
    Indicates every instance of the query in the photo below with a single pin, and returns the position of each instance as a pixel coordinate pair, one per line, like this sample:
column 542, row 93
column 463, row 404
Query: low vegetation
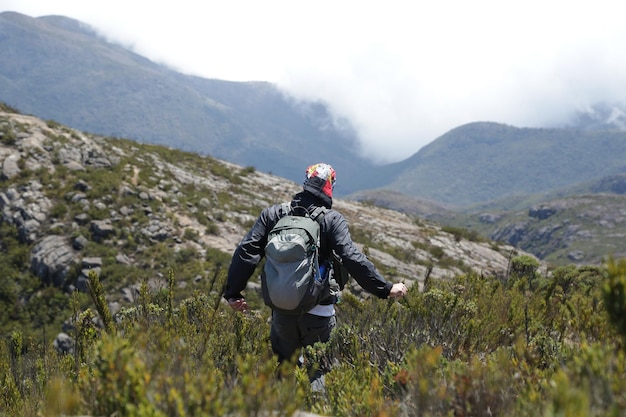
column 471, row 346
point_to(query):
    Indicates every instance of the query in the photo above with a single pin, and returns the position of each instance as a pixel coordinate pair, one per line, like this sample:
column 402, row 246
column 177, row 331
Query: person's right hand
column 398, row 290
column 239, row 304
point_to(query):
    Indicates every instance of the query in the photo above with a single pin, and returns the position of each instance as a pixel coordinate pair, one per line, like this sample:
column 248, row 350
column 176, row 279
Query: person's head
column 320, row 180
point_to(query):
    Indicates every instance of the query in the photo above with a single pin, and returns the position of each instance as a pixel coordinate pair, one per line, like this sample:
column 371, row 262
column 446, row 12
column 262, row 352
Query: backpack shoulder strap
column 318, row 214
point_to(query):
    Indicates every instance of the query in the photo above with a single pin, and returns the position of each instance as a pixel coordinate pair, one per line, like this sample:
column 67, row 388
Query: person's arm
column 246, row 257
column 357, row 264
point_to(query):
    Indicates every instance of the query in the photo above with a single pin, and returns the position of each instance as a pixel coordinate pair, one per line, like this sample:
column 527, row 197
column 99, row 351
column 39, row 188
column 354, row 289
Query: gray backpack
column 291, row 278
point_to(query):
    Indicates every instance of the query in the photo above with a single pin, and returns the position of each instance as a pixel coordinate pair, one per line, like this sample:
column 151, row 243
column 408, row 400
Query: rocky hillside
column 583, row 226
column 580, row 229
column 77, row 202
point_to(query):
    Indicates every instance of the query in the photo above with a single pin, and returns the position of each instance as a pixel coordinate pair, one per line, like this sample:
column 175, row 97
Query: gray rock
column 100, row 205
column 10, row 169
column 51, row 260
column 82, row 218
column 79, row 242
column 130, row 294
column 64, row 344
column 78, row 197
column 115, row 307
column 204, row 203
column 489, row 218
column 28, row 231
column 513, row 233
column 4, row 201
column 126, row 211
column 101, row 229
column 541, row 212
column 122, row 259
column 576, row 256
column 82, row 282
column 82, row 186
column 127, row 191
column 156, row 231
column 74, row 166
column 90, row 263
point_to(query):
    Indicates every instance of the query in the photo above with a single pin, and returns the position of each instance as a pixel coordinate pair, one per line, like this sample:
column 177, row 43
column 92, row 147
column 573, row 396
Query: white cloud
column 403, row 72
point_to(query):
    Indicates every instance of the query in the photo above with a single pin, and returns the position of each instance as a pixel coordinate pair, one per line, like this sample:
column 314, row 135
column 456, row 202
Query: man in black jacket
column 291, row 332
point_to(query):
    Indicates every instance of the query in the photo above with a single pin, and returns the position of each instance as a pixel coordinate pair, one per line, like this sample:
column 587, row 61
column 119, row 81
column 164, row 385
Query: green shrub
column 614, row 291
column 467, row 345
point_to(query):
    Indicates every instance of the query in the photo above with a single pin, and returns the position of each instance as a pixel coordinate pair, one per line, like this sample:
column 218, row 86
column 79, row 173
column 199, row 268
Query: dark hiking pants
column 288, row 333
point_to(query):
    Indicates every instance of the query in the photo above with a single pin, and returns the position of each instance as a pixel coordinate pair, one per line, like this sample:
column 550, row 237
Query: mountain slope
column 479, row 162
column 71, row 202
column 60, row 69
column 581, row 224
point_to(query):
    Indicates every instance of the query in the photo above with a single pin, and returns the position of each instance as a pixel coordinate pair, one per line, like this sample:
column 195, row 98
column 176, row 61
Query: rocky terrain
column 131, row 211
column 581, row 229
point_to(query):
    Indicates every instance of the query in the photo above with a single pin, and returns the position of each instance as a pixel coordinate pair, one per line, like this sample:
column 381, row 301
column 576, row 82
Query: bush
column 467, row 345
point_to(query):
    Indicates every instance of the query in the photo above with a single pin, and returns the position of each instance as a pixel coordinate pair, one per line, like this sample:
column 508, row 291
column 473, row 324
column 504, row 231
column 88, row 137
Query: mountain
column 71, row 202
column 483, row 161
column 61, row 69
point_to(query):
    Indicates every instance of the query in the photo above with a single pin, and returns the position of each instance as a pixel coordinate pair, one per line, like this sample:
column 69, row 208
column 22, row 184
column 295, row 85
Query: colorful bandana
column 320, row 177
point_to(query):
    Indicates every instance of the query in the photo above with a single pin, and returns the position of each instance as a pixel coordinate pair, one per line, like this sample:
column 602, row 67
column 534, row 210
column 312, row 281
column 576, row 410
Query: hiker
column 290, row 332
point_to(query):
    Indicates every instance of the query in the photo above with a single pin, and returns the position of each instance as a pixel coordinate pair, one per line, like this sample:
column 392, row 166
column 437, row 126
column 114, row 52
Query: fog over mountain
column 56, row 68
column 403, row 75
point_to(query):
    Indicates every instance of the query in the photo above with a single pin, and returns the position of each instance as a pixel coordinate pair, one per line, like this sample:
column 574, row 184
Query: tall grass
column 468, row 346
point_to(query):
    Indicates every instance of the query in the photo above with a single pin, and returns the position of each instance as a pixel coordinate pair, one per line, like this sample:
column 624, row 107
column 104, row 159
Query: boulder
column 51, row 260
column 101, row 229
column 93, row 262
column 79, row 242
column 82, row 186
column 10, row 169
column 542, row 211
column 82, row 282
column 64, row 344
column 74, row 166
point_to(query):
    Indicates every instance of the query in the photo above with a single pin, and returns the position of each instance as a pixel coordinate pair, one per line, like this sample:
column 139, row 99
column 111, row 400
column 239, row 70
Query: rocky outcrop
column 542, row 211
column 27, row 208
column 512, row 233
column 10, row 168
column 611, row 184
column 52, row 258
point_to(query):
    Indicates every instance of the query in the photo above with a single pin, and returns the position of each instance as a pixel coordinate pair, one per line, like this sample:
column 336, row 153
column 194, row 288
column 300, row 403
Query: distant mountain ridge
column 58, row 68
column 485, row 161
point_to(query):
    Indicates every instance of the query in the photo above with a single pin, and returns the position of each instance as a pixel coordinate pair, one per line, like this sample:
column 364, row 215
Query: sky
column 402, row 72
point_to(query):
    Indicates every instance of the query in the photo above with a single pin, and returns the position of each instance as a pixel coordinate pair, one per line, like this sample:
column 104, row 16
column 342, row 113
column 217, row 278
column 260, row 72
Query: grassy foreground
column 529, row 345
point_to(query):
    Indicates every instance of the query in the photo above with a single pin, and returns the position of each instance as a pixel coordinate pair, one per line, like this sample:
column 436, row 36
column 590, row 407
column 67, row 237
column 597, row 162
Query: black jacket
column 334, row 236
